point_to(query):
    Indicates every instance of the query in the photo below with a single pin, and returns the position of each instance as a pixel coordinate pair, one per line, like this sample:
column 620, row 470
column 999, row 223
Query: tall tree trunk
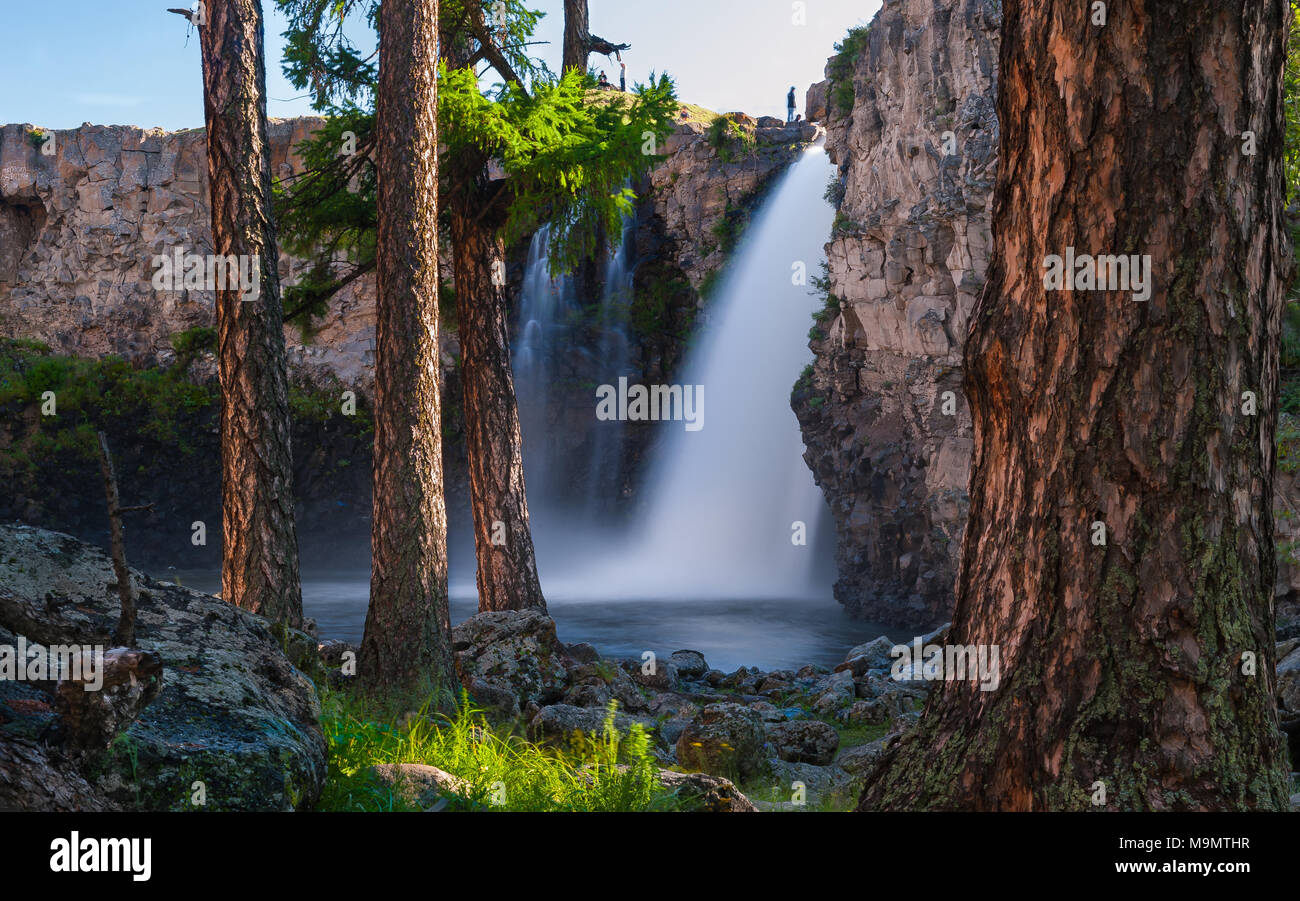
column 579, row 42
column 503, row 541
column 408, row 626
column 577, row 20
column 1125, row 665
column 259, row 569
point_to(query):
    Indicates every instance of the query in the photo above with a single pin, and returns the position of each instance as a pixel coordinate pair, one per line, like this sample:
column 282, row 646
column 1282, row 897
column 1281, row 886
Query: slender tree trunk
column 1125, row 667
column 124, row 634
column 260, row 545
column 579, row 42
column 503, row 541
column 408, row 627
column 577, row 36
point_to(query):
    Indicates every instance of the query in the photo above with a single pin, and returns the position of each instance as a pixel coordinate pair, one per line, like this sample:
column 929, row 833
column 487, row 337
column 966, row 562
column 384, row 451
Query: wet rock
column 724, row 740
column 510, row 653
column 874, row 655
column 804, row 741
column 690, row 665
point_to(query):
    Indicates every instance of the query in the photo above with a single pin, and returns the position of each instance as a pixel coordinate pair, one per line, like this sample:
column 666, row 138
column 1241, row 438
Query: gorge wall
column 911, row 125
column 909, row 107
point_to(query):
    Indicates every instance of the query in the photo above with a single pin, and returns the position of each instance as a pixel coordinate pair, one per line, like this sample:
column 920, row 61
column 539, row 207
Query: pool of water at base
column 768, row 634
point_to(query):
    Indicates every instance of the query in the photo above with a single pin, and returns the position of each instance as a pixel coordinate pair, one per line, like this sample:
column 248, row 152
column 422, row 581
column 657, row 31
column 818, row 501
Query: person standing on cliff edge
column 789, row 105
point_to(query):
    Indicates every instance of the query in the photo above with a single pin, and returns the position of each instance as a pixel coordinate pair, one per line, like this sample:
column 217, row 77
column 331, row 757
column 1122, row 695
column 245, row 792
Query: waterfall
column 723, row 503
column 544, row 305
column 608, row 441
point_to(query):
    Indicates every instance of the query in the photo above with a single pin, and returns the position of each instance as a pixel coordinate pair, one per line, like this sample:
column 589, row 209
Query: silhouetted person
column 602, row 82
column 789, row 105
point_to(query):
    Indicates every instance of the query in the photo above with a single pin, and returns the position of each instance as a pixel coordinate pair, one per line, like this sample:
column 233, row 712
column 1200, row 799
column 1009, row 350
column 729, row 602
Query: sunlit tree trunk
column 1125, row 666
column 503, row 542
column 407, row 639
column 260, row 546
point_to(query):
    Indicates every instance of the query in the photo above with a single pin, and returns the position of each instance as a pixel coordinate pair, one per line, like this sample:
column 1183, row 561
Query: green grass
column 504, row 771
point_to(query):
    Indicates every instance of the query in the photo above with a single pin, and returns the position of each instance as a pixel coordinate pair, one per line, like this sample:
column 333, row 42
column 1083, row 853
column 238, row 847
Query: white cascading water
column 722, row 503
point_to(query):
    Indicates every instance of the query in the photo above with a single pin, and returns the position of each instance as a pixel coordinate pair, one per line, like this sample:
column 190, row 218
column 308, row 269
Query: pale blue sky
column 127, row 62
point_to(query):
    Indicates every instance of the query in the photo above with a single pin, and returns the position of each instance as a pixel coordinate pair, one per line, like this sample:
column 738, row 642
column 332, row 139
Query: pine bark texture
column 259, row 569
column 577, row 20
column 407, row 639
column 1122, row 664
column 503, row 541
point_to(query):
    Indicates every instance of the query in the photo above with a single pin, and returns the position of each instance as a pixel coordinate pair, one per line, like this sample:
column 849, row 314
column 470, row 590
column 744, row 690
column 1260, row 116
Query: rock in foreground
column 235, row 724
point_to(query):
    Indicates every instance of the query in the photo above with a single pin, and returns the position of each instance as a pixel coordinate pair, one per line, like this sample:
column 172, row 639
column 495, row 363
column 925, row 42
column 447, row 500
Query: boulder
column 804, row 741
column 560, row 721
column 420, row 785
column 836, row 693
column 874, row 655
column 582, row 652
column 509, row 658
column 724, row 740
column 596, row 684
column 232, row 712
column 858, row 761
column 661, row 676
column 817, row 781
column 691, row 665
column 702, row 791
column 769, row 713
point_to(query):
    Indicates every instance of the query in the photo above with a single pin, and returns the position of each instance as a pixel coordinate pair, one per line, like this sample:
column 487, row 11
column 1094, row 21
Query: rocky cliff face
column 79, row 229
column 887, row 431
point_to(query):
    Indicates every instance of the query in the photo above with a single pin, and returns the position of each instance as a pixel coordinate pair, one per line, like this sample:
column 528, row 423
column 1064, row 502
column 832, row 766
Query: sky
column 129, row 62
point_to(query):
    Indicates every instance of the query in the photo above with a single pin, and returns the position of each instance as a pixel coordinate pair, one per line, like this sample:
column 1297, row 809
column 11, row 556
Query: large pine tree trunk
column 408, row 628
column 1124, row 664
column 503, row 541
column 260, row 545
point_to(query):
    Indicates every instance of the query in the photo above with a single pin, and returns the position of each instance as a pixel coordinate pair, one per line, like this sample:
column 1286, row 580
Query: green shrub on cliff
column 730, row 139
column 840, row 69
